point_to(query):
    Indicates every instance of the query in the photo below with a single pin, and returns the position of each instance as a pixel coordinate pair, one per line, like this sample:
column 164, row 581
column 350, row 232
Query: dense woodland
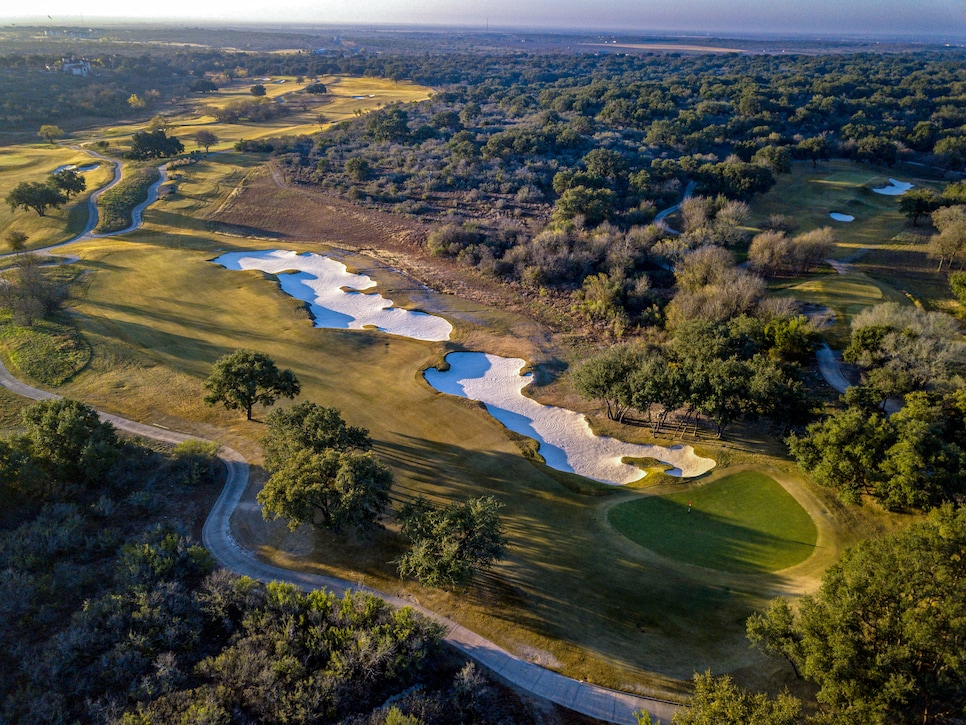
column 109, row 616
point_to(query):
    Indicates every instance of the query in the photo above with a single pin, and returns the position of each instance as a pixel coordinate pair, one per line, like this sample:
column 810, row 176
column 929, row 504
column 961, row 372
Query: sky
column 827, row 17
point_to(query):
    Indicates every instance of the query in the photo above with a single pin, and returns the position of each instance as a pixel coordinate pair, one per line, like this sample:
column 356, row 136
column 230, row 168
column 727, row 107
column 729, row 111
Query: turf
column 35, row 163
column 745, row 522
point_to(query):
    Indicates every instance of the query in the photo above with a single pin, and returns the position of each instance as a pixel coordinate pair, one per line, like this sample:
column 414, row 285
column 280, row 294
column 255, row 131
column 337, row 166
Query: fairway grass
column 35, row 163
column 744, row 523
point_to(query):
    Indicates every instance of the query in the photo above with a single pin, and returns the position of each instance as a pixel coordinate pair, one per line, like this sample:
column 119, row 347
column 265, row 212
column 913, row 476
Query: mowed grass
column 35, row 163
column 808, row 195
column 745, row 522
column 338, row 105
column 845, row 295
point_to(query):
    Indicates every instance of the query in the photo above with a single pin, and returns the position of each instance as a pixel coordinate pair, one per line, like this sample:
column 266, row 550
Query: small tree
column 258, row 90
column 69, row 182
column 316, row 88
column 206, row 138
column 203, row 85
column 451, row 544
column 50, row 132
column 37, row 196
column 331, row 490
column 245, row 377
column 17, row 240
column 916, row 203
column 136, row 102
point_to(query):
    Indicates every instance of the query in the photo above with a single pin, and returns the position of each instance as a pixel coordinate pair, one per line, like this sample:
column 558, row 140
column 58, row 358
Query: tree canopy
column 245, row 378
column 154, row 145
column 37, row 196
column 330, row 490
column 453, row 543
column 309, row 426
column 883, row 637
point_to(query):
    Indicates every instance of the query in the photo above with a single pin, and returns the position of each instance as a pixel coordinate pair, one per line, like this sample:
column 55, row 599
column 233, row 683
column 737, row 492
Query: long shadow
column 703, row 538
column 182, row 347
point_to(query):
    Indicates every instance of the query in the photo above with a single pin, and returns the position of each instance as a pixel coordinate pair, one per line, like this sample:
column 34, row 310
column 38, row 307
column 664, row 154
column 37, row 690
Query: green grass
column 846, row 295
column 745, row 522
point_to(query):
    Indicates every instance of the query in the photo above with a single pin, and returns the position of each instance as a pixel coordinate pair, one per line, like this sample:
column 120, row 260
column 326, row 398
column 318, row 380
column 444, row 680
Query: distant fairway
column 744, row 523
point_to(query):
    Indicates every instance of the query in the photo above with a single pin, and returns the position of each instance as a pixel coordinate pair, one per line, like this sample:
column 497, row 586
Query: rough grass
column 115, row 205
column 35, row 163
column 845, row 295
column 745, row 522
column 49, row 352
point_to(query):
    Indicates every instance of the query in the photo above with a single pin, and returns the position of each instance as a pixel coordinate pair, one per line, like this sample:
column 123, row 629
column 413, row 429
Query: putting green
column 745, row 523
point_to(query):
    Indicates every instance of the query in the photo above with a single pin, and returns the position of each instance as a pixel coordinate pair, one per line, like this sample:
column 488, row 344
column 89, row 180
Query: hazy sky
column 944, row 17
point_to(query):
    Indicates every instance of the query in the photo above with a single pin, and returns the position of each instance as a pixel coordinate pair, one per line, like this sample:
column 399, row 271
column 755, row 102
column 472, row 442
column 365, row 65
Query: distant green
column 745, row 523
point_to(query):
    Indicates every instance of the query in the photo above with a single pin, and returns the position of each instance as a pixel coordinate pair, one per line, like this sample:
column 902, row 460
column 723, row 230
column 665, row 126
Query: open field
column 347, row 97
column 808, row 195
column 35, row 163
column 744, row 522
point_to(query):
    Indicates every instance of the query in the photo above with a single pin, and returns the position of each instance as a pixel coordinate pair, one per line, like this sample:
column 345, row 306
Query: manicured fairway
column 745, row 522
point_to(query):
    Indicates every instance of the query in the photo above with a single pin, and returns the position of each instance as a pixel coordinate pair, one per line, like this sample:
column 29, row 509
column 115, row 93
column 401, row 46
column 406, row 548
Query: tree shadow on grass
column 701, row 538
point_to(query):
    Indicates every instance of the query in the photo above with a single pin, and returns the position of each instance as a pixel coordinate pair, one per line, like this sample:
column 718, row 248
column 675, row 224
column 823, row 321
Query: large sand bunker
column 320, row 282
column 566, row 440
column 895, row 188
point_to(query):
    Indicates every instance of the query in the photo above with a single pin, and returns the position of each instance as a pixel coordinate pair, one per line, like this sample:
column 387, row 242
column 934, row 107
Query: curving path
column 583, row 697
column 663, row 214
column 593, row 700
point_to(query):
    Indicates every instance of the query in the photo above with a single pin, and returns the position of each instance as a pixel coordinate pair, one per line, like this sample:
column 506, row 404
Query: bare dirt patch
column 267, row 207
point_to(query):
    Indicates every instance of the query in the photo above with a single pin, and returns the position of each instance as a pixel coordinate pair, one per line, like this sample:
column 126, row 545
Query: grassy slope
column 34, row 163
column 745, row 522
column 337, row 105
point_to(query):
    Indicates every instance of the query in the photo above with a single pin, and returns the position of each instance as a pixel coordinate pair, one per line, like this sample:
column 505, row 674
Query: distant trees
column 883, row 636
column 203, row 85
column 50, row 132
column 245, row 378
column 450, row 545
column 154, row 145
column 205, row 138
column 37, row 196
column 774, row 252
column 258, row 90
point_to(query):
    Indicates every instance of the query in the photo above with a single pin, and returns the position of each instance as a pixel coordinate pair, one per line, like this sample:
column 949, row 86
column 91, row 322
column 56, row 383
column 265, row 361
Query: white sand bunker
column 566, row 441
column 320, row 281
column 895, row 188
column 842, row 217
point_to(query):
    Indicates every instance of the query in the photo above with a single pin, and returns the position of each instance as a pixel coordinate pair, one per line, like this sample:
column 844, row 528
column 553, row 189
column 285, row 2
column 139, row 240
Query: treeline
column 744, row 368
column 108, row 617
